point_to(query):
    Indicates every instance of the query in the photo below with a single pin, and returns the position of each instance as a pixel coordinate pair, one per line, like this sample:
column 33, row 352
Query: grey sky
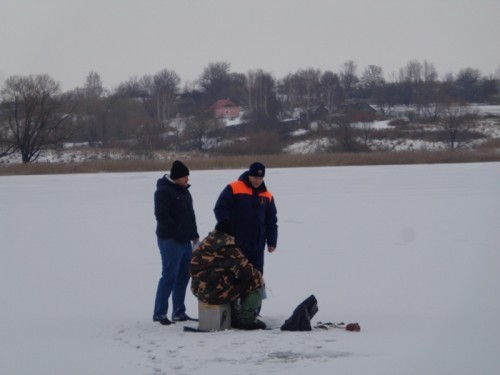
column 122, row 38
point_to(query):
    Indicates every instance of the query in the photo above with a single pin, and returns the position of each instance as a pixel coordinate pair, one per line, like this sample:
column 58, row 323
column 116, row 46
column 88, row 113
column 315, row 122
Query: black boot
column 163, row 320
column 256, row 324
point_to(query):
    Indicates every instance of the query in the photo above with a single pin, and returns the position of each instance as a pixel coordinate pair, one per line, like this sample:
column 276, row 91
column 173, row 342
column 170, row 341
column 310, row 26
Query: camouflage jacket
column 220, row 272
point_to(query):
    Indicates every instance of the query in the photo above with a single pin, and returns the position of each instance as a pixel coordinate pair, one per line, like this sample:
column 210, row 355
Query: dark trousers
column 256, row 258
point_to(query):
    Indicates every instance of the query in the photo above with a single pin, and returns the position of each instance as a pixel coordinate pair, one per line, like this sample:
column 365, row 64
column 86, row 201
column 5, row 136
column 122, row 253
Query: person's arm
column 271, row 226
column 223, row 204
column 163, row 209
column 196, row 237
column 244, row 271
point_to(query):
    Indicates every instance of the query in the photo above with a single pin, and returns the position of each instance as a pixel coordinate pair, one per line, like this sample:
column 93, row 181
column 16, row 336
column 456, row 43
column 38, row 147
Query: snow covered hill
column 302, row 141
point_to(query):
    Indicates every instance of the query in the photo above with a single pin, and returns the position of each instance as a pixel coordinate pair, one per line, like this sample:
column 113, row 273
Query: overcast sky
column 122, row 38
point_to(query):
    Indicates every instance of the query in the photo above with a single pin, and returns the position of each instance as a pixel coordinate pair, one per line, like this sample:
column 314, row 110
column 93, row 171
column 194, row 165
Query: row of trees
column 34, row 113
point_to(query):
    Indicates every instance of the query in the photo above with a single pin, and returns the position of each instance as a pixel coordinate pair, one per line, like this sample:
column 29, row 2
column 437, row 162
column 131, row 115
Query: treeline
column 155, row 112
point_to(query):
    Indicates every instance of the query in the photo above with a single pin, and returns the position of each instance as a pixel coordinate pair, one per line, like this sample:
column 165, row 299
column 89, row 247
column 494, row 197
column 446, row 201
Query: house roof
column 362, row 107
column 223, row 103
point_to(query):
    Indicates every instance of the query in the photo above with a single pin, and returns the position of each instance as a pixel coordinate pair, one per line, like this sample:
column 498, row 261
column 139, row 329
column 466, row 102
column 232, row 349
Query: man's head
column 179, row 173
column 256, row 173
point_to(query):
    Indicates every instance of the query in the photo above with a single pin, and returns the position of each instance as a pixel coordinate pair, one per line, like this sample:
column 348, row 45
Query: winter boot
column 256, row 324
column 244, row 311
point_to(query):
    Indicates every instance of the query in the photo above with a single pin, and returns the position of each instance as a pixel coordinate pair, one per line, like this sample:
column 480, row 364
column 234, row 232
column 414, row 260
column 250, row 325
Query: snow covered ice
column 412, row 253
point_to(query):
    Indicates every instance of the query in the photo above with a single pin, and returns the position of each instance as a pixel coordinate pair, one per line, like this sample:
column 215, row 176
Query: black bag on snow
column 302, row 315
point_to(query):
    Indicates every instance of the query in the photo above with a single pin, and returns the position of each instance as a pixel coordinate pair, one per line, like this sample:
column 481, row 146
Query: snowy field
column 412, row 253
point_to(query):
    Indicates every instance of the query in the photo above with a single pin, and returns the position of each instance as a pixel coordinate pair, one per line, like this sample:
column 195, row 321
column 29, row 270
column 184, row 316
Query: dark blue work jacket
column 252, row 213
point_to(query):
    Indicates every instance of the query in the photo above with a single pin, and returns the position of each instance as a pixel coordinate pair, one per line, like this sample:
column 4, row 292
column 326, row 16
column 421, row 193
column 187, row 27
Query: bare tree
column 310, row 79
column 455, row 121
column 175, row 129
column 366, row 131
column 7, row 147
column 148, row 134
column 468, row 85
column 93, row 85
column 429, row 72
column 140, row 89
column 412, row 72
column 217, row 82
column 262, row 101
column 331, row 91
column 287, row 93
column 93, row 122
column 35, row 112
column 344, row 134
column 166, row 87
column 199, row 127
column 349, row 78
column 134, row 87
column 419, row 79
column 214, row 81
column 303, row 89
column 372, row 78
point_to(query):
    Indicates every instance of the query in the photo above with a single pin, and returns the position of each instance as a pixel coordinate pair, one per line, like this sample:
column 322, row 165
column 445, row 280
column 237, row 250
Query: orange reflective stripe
column 266, row 194
column 239, row 187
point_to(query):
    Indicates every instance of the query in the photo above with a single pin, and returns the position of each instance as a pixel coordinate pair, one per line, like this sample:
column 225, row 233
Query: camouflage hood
column 220, row 272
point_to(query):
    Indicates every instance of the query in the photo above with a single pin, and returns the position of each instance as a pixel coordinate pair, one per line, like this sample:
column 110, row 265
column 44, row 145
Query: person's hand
column 195, row 242
column 271, row 248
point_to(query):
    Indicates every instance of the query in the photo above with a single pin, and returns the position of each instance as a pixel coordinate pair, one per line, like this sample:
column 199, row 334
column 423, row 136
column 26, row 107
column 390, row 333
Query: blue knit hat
column 257, row 170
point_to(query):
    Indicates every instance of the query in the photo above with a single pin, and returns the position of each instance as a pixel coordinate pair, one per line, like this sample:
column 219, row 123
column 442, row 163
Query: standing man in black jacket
column 177, row 234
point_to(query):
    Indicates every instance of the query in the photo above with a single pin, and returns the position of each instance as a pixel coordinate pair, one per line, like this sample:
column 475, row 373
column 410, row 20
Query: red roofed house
column 225, row 108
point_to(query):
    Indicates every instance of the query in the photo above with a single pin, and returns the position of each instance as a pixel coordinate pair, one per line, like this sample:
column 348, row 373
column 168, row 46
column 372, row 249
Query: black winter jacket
column 174, row 211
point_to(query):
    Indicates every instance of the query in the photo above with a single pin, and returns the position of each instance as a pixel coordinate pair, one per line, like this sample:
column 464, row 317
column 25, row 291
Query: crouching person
column 221, row 274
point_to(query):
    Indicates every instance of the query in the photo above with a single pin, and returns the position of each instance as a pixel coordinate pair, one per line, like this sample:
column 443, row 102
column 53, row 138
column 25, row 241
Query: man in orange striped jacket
column 251, row 210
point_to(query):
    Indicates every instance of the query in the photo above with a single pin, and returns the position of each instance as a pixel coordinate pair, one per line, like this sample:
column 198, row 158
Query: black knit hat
column 224, row 226
column 178, row 170
column 257, row 170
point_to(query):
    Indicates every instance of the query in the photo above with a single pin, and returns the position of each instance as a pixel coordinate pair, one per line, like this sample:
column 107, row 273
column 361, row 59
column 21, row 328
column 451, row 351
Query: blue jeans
column 175, row 261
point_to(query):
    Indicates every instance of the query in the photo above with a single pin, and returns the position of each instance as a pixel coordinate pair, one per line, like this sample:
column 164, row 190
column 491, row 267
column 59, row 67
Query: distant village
column 232, row 113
